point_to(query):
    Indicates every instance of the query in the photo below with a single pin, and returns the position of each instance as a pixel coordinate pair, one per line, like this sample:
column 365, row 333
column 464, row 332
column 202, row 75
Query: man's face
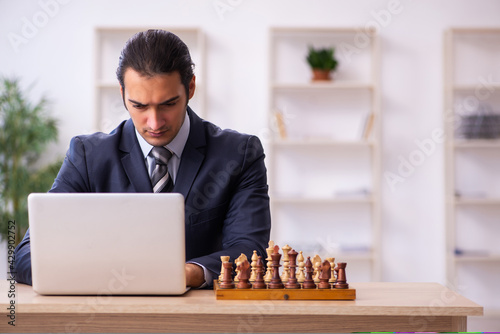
column 157, row 105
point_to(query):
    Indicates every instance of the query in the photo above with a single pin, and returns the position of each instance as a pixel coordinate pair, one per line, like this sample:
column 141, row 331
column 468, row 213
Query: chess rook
column 227, row 280
column 341, row 276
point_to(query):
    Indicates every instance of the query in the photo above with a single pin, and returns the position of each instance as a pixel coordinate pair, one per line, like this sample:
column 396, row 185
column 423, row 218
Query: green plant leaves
column 25, row 131
column 323, row 59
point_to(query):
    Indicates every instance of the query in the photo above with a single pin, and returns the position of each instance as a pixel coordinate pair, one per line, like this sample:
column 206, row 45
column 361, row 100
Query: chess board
column 314, row 279
column 283, row 294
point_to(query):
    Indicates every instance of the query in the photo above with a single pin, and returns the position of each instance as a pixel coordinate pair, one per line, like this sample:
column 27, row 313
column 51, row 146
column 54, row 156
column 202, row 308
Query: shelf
column 354, row 256
column 477, row 143
column 340, row 255
column 321, row 142
column 477, row 258
column 473, row 87
column 354, row 199
column 294, row 31
column 108, row 85
column 491, row 313
column 293, row 87
column 477, row 201
column 323, row 136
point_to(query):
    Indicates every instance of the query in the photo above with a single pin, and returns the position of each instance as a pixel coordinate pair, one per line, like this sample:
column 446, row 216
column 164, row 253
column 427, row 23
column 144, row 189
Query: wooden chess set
column 314, row 280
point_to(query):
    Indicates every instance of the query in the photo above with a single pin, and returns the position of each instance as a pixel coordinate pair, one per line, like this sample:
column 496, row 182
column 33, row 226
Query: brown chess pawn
column 341, row 276
column 227, row 280
column 276, row 279
column 245, row 272
column 325, row 275
column 259, row 276
column 309, row 282
column 292, row 280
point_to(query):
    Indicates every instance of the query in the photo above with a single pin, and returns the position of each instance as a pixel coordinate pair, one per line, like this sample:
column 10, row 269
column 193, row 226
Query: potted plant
column 322, row 62
column 25, row 131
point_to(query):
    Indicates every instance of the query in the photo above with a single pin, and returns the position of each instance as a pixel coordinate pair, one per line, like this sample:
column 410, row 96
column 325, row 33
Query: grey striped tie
column 160, row 179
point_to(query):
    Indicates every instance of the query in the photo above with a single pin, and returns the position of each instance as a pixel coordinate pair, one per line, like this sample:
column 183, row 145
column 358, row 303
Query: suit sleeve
column 247, row 223
column 73, row 175
column 71, row 178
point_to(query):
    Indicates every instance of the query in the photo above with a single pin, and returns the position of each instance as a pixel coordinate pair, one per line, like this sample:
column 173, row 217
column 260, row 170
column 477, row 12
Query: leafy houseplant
column 322, row 62
column 25, row 131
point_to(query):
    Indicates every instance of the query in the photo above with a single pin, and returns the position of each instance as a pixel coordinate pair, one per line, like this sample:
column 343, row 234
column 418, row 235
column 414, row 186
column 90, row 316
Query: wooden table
column 378, row 307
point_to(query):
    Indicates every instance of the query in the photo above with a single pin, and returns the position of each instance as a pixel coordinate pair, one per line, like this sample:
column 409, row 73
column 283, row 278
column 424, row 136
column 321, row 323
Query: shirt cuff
column 207, row 275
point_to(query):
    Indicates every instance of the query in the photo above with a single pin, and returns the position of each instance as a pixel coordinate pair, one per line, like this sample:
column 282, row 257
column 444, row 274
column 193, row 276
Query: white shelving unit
column 472, row 164
column 109, row 41
column 324, row 175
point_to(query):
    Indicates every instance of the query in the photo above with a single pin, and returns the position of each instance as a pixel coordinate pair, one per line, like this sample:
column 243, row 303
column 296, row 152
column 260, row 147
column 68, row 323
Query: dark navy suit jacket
column 221, row 175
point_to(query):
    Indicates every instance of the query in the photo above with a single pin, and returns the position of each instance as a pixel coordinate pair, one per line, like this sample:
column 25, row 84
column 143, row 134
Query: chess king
column 220, row 173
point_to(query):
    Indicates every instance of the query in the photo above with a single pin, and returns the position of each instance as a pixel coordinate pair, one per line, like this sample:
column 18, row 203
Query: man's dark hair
column 155, row 52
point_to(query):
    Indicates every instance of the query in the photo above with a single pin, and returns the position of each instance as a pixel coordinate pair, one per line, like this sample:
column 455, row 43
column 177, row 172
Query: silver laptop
column 107, row 243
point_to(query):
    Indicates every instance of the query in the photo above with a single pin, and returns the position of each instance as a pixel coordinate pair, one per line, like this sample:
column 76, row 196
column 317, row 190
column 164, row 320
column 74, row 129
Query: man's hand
column 195, row 276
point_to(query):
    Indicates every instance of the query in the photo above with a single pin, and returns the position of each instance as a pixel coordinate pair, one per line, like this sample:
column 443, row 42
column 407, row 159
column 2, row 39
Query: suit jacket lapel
column 192, row 156
column 133, row 160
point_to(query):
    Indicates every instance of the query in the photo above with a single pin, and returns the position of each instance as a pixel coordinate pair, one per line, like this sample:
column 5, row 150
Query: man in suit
column 221, row 173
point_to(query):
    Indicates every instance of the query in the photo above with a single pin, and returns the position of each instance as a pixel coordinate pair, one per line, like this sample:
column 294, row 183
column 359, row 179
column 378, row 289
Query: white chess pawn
column 317, row 271
column 301, row 276
column 332, row 266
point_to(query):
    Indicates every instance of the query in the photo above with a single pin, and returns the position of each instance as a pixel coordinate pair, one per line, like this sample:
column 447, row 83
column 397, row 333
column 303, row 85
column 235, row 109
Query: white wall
column 58, row 60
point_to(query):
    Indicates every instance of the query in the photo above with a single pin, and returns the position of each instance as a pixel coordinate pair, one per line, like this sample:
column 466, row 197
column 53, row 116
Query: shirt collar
column 176, row 146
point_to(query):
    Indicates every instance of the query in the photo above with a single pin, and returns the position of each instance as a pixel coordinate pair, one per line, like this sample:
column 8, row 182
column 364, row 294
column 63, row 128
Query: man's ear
column 192, row 87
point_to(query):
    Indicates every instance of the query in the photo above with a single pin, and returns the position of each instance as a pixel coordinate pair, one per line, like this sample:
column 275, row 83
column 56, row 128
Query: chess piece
column 292, row 280
column 332, row 266
column 259, row 277
column 237, row 262
column 223, row 259
column 269, row 272
column 286, row 272
column 276, row 279
column 253, row 265
column 324, row 276
column 227, row 280
column 317, row 271
column 286, row 263
column 341, row 276
column 308, row 281
column 301, row 276
column 245, row 271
